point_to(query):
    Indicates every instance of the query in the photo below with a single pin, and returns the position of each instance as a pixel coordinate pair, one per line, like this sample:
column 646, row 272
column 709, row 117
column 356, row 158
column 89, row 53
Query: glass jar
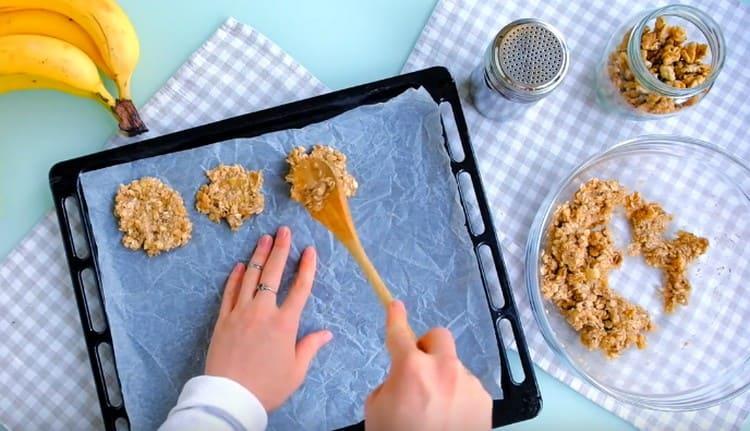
column 636, row 75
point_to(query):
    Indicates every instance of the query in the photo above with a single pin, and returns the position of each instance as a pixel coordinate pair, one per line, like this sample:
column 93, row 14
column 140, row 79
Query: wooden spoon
column 336, row 217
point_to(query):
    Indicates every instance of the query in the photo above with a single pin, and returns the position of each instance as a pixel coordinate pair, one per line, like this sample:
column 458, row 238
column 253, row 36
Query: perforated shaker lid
column 527, row 59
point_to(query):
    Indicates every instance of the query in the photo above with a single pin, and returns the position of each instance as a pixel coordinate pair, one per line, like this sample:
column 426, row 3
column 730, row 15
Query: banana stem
column 128, row 118
column 123, row 88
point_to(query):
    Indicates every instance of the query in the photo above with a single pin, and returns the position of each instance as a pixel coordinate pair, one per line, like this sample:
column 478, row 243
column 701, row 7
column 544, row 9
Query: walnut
column 650, row 41
column 660, row 23
column 677, row 84
column 677, row 34
column 701, row 51
column 670, row 55
column 689, row 52
column 685, row 69
column 693, row 80
column 667, row 73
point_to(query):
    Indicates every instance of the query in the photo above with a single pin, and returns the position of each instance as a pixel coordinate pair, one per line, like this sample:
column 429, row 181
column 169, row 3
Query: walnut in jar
column 660, row 62
column 669, row 58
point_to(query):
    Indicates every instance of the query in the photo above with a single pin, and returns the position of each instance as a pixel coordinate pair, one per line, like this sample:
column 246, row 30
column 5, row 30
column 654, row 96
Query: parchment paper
column 161, row 310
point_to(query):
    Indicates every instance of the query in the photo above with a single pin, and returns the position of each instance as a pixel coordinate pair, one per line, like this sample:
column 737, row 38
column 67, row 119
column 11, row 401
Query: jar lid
column 528, row 59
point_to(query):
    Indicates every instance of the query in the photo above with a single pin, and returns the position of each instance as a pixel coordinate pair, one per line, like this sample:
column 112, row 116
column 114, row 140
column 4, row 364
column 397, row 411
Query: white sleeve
column 210, row 403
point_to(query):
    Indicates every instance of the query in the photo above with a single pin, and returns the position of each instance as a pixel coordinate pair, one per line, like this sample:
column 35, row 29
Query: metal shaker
column 525, row 61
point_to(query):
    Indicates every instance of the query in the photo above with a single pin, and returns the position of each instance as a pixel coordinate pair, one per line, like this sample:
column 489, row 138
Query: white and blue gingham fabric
column 523, row 159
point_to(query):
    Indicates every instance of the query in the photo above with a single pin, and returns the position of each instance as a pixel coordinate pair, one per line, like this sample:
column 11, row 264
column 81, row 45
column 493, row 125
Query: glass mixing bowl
column 699, row 355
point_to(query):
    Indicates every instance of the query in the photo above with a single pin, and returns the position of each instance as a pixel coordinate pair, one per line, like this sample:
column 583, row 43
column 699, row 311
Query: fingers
column 308, row 347
column 252, row 273
column 438, row 341
column 231, row 290
column 399, row 338
column 273, row 269
column 372, row 399
column 303, row 282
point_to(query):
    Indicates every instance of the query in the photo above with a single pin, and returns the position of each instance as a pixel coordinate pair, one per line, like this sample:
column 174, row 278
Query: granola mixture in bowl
column 661, row 249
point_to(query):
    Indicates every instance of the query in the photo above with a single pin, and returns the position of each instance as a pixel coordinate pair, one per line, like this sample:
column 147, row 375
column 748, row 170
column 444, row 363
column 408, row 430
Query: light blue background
column 342, row 42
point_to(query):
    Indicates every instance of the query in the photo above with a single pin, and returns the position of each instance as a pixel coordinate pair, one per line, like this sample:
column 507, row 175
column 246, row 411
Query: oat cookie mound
column 576, row 263
column 312, row 196
column 151, row 216
column 233, row 193
column 648, row 222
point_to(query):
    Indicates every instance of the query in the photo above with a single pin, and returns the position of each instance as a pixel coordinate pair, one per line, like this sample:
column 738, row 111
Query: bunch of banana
column 59, row 44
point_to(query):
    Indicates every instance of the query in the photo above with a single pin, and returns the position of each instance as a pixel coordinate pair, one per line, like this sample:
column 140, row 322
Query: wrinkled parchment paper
column 161, row 310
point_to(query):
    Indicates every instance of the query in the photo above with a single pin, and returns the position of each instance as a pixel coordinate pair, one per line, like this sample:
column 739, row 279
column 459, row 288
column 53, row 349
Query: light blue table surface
column 341, row 42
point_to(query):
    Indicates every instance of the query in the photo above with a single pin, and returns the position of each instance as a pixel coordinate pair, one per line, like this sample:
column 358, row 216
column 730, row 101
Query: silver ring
column 263, row 287
column 257, row 266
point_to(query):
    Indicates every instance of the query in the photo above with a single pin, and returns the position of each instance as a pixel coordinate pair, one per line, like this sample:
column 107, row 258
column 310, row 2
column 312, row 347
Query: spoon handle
column 381, row 290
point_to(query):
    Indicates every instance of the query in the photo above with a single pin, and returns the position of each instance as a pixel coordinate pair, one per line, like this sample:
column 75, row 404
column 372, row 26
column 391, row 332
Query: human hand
column 254, row 340
column 428, row 387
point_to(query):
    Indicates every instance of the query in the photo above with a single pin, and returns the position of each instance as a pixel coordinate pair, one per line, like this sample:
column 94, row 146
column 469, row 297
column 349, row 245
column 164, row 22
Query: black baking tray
column 521, row 399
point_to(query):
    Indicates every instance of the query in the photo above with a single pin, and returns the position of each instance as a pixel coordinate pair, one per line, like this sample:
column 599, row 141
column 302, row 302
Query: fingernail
column 309, row 250
column 237, row 266
column 327, row 336
column 283, row 232
column 264, row 240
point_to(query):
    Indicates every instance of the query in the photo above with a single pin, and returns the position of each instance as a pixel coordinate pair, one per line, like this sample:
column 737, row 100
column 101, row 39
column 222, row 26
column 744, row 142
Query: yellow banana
column 47, row 23
column 106, row 23
column 20, row 82
column 33, row 61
